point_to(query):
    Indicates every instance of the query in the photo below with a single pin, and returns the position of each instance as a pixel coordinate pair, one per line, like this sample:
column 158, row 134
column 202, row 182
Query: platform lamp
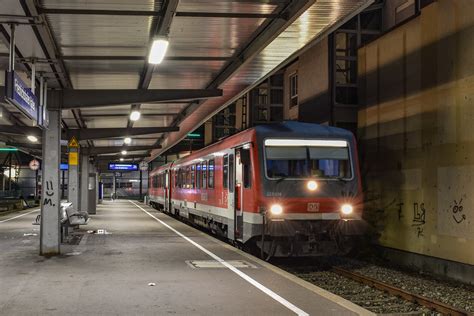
column 158, row 50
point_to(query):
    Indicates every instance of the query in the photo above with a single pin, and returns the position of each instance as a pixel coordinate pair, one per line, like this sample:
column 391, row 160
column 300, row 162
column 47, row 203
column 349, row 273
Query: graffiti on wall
column 49, row 194
column 455, row 206
column 419, row 218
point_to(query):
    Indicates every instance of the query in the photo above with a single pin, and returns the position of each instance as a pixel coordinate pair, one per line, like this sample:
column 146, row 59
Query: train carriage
column 295, row 184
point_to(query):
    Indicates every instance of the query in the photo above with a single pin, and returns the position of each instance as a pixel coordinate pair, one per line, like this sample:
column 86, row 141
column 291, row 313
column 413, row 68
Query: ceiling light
column 135, row 116
column 32, row 138
column 127, row 140
column 158, row 50
column 121, row 159
column 124, row 152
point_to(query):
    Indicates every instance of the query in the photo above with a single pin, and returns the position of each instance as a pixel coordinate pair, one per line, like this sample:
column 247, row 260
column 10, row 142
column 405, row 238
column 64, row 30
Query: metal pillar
column 84, row 195
column 73, row 185
column 50, row 200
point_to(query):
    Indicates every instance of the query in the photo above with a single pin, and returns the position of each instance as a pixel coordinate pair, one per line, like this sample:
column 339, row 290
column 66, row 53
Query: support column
column 73, row 186
column 84, row 196
column 50, row 192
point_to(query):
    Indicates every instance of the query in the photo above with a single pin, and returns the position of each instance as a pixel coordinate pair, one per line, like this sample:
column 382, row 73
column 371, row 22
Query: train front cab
column 309, row 196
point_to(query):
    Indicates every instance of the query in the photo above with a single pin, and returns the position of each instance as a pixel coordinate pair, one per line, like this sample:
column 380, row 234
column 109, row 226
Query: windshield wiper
column 341, row 179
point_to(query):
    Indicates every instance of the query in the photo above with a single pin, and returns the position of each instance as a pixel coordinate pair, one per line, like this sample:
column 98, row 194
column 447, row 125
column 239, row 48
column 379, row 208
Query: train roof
column 300, row 129
column 284, row 129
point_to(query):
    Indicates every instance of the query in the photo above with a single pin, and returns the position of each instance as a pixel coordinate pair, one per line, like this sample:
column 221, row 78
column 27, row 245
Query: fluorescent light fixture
column 32, row 138
column 121, row 159
column 124, row 152
column 127, row 140
column 135, row 116
column 158, row 50
column 305, row 142
column 219, row 154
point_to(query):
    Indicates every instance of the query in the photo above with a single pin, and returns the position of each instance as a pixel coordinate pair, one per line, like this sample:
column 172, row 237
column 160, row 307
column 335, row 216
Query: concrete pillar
column 73, row 186
column 84, row 195
column 50, row 192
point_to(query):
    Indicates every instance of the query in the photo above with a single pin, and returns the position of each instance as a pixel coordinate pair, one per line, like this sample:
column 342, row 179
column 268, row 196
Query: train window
column 225, row 172
column 210, row 179
column 198, row 176
column 204, row 175
column 247, row 176
column 175, row 178
column 231, row 173
column 155, row 181
column 307, row 161
column 188, row 178
column 193, row 172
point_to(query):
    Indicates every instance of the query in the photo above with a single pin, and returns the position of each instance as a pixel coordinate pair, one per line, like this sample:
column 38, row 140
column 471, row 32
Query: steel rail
column 412, row 297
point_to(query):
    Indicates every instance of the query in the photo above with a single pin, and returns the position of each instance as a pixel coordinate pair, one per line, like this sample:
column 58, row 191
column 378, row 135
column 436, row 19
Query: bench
column 68, row 218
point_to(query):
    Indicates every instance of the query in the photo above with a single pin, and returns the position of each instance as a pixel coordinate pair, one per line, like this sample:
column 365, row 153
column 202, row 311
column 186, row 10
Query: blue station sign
column 19, row 95
column 123, row 166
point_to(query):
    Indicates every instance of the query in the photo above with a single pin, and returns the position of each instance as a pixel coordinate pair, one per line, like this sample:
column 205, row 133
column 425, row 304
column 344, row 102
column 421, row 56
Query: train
column 287, row 189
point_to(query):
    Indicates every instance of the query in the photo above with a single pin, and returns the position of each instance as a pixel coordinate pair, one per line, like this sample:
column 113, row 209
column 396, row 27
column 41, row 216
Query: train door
column 229, row 185
column 242, row 159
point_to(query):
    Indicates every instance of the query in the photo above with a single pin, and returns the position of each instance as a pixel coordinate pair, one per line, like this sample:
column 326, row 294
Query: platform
column 147, row 263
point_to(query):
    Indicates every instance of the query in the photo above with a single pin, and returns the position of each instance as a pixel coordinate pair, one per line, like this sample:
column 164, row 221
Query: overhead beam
column 98, row 12
column 117, row 149
column 100, row 133
column 237, row 15
column 73, row 99
column 87, row 116
column 142, row 58
column 158, row 13
column 20, row 130
column 117, row 157
column 89, row 133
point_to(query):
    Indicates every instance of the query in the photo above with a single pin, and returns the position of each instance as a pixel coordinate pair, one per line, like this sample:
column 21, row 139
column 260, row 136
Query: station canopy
column 218, row 50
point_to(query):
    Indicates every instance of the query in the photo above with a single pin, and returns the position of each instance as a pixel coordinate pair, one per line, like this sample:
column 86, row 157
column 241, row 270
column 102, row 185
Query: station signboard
column 123, row 166
column 63, row 166
column 20, row 96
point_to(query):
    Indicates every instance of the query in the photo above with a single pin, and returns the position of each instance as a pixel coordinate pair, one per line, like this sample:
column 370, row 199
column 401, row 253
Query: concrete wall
column 416, row 131
column 313, row 85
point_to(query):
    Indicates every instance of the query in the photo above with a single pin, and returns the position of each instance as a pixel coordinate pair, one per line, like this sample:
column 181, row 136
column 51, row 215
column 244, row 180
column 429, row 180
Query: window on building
column 225, row 172
column 204, row 175
column 210, row 179
column 294, row 90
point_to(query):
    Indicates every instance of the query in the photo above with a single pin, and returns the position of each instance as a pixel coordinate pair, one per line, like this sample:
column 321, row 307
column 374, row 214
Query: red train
column 295, row 184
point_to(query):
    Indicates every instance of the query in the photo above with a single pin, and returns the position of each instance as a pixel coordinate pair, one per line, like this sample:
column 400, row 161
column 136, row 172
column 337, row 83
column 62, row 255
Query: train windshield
column 324, row 159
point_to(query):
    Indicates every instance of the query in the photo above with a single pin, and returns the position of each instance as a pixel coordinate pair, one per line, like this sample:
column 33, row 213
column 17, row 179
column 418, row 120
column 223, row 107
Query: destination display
column 19, row 95
column 123, row 166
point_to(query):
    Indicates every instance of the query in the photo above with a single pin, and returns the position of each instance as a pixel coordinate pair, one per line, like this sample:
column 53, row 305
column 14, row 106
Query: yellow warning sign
column 73, row 143
column 73, row 159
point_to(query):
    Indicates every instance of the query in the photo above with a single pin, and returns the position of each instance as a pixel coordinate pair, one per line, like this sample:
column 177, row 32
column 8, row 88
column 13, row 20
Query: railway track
column 412, row 297
column 383, row 290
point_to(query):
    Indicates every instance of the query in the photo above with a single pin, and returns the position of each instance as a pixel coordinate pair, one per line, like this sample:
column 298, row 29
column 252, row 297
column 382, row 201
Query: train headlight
column 312, row 185
column 346, row 209
column 276, row 209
